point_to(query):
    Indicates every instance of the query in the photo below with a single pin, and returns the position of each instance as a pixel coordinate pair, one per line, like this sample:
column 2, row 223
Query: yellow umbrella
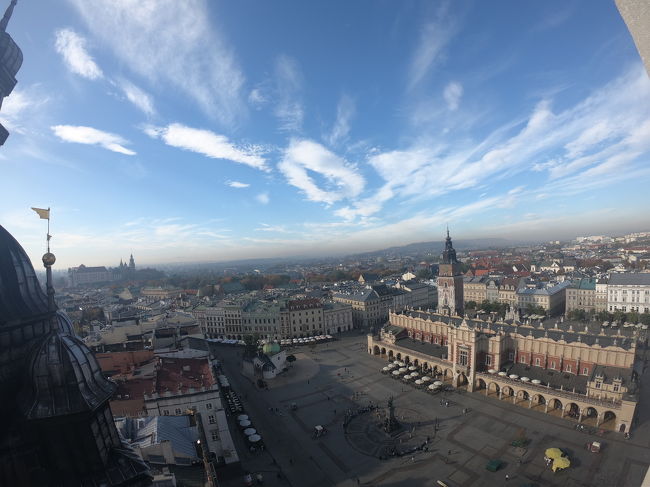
column 554, row 453
column 561, row 463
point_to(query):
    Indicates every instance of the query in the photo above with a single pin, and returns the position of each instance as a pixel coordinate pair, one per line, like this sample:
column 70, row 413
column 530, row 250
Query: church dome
column 66, row 377
column 21, row 296
column 271, row 348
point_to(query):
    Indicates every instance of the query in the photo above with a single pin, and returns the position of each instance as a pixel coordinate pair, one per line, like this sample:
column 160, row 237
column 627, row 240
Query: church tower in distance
column 450, row 282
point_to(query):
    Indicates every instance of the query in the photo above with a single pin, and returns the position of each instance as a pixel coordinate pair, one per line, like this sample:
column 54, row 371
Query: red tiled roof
column 176, row 374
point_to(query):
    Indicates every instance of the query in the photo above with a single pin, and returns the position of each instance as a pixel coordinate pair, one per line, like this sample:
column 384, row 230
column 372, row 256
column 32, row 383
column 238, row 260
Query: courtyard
column 449, row 436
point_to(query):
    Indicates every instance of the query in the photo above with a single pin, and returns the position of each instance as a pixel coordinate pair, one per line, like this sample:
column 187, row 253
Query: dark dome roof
column 21, row 296
column 66, row 376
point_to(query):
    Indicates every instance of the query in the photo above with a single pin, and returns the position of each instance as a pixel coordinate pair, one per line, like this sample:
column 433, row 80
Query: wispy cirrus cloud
column 171, row 42
column 21, row 104
column 435, row 35
column 340, row 179
column 92, row 136
column 137, row 96
column 208, row 143
column 345, row 110
column 602, row 136
column 452, row 94
column 288, row 85
column 72, row 47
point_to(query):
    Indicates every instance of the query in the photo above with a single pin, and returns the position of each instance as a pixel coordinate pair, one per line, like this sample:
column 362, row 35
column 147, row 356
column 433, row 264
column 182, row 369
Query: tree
column 577, row 315
column 603, row 316
column 424, row 274
column 470, row 305
column 250, row 344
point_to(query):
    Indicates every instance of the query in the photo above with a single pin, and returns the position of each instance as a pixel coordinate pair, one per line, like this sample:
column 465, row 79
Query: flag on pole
column 43, row 213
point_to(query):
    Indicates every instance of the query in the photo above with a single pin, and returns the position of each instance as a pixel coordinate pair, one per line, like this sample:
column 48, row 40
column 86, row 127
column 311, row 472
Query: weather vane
column 45, row 215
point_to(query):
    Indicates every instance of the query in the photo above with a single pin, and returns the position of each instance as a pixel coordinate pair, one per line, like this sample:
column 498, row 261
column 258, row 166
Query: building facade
column 550, row 297
column 581, row 294
column 582, row 373
column 629, row 292
column 367, row 307
column 188, row 384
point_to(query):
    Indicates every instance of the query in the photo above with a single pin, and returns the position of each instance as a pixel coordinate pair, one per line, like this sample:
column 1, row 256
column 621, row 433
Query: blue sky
column 205, row 130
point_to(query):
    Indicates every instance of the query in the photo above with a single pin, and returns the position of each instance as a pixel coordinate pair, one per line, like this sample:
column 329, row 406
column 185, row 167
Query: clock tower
column 450, row 282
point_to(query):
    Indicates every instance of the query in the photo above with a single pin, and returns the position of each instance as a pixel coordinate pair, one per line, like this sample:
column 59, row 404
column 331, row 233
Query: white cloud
column 258, row 98
column 237, row 184
column 452, row 94
column 341, row 179
column 263, row 198
column 21, row 104
column 171, row 42
column 603, row 136
column 208, row 143
column 435, row 34
column 92, row 136
column 344, row 113
column 73, row 49
column 289, row 109
column 140, row 98
column 265, row 227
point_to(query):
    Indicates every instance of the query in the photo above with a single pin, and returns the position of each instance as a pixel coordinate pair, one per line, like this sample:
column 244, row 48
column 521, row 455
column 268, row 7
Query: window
column 208, row 405
column 568, row 368
column 511, row 355
column 585, row 371
column 462, row 357
column 488, row 360
column 617, row 387
column 178, row 411
column 215, row 435
column 522, row 359
column 211, row 419
column 553, row 365
column 537, row 362
column 598, row 385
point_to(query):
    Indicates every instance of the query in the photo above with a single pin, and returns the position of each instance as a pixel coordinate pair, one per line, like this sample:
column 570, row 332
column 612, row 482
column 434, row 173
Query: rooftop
column 568, row 331
column 182, row 374
column 629, row 279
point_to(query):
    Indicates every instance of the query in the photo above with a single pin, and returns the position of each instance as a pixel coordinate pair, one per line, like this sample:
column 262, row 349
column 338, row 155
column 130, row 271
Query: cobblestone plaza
column 328, row 381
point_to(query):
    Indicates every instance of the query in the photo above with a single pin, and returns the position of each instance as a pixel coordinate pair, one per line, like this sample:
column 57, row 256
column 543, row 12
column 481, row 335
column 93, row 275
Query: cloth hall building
column 582, row 372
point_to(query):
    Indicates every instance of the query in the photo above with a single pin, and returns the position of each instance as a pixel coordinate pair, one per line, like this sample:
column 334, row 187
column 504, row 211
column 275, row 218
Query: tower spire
column 5, row 20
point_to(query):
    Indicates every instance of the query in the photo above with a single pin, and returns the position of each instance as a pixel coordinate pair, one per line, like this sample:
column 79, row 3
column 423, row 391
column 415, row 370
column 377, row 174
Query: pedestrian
column 412, row 458
column 507, row 477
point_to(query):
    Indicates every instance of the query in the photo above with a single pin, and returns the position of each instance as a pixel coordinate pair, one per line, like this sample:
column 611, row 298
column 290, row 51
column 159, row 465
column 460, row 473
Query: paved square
column 328, row 381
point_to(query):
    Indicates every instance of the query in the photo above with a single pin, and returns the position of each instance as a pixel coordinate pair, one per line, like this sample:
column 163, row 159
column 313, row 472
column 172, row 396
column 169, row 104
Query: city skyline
column 198, row 132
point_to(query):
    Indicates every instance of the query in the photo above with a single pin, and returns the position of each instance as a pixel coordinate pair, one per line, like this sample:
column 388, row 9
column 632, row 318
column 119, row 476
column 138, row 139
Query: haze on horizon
column 199, row 132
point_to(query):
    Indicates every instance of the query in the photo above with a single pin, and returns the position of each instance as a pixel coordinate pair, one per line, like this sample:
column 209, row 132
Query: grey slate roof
column 423, row 347
column 555, row 378
column 629, row 279
column 570, row 332
column 153, row 430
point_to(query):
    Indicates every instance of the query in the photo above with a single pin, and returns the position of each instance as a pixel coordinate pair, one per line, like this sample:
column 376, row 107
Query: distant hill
column 436, row 247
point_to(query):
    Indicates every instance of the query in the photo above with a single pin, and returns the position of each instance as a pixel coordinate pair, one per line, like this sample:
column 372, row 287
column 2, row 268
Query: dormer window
column 598, row 384
column 617, row 387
